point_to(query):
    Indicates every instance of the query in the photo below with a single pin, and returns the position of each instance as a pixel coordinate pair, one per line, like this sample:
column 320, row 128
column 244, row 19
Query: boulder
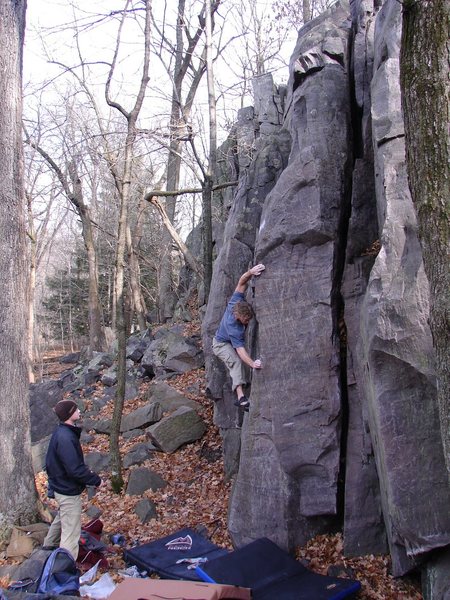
column 395, row 345
column 287, row 485
column 97, row 461
column 71, row 358
column 109, row 377
column 179, row 428
column 142, row 417
column 97, row 425
column 138, row 454
column 137, row 345
column 173, row 352
column 146, row 510
column 142, row 479
column 168, row 397
column 43, row 397
column 38, row 453
column 100, row 360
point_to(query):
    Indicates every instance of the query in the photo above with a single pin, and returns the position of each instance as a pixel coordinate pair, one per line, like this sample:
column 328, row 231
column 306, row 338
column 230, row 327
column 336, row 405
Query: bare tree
column 123, row 183
column 43, row 225
column 210, row 172
column 71, row 184
column 424, row 64
column 298, row 13
column 185, row 69
column 17, row 493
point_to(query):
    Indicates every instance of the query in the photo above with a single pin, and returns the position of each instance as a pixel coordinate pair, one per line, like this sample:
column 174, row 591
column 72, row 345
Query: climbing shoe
column 243, row 402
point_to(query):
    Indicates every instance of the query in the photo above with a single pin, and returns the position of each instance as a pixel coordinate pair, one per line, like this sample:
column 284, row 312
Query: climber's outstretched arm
column 245, row 277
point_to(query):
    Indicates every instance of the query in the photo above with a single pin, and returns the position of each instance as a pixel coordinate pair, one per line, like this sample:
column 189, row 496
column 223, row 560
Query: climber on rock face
column 229, row 340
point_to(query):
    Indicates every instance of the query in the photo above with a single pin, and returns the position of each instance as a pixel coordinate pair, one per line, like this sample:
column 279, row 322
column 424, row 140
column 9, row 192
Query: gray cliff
column 343, row 430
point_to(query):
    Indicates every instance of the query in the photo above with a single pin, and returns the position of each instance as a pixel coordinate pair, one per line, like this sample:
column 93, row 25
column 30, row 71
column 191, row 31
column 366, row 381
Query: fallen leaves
column 197, row 496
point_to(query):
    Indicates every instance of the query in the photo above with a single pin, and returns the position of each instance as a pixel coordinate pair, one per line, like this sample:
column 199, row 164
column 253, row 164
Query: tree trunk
column 424, row 65
column 166, row 302
column 17, row 490
column 179, row 132
column 307, row 15
column 124, row 188
column 188, row 256
column 138, row 304
column 212, row 163
column 97, row 339
column 31, row 291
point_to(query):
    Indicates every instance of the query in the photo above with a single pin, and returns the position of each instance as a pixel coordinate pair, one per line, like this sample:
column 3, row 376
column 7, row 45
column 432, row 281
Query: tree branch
column 219, row 186
column 189, row 257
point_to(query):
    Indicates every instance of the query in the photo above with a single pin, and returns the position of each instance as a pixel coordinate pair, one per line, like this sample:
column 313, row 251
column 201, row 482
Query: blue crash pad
column 272, row 574
column 162, row 555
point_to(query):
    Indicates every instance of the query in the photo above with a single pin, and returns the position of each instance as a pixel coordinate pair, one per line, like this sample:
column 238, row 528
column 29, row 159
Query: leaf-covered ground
column 197, row 495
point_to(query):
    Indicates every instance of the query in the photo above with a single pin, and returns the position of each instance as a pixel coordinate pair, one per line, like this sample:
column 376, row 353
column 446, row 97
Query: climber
column 229, row 340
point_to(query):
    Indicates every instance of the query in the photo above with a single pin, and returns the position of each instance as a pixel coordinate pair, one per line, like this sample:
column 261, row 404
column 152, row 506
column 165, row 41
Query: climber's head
column 243, row 312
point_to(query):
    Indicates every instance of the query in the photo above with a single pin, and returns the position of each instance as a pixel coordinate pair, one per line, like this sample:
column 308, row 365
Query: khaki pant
column 65, row 529
column 227, row 354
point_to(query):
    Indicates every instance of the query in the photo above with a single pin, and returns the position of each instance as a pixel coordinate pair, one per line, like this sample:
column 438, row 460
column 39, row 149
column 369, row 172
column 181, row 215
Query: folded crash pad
column 154, row 589
column 170, row 557
column 272, row 573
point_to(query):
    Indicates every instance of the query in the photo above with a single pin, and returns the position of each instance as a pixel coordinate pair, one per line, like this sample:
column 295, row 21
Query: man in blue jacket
column 68, row 476
column 229, row 340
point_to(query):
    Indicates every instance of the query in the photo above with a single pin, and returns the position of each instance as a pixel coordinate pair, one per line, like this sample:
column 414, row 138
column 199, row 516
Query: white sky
column 97, row 44
column 50, row 15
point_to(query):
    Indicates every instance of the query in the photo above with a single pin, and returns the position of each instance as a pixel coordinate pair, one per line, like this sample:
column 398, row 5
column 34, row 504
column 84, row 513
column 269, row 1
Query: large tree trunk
column 425, row 85
column 17, row 490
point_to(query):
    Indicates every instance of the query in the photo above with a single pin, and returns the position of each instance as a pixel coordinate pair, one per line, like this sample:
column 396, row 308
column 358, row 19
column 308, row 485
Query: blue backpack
column 60, row 574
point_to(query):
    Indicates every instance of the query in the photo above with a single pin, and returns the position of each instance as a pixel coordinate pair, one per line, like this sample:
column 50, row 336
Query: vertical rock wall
column 343, row 428
column 395, row 341
column 296, row 398
column 261, row 151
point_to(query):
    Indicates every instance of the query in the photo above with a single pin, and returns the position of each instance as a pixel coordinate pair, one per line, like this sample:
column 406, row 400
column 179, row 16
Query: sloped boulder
column 169, row 398
column 179, row 428
column 143, row 479
column 142, row 417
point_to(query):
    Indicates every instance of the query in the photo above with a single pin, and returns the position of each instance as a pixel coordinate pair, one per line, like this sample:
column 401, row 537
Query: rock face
column 343, row 427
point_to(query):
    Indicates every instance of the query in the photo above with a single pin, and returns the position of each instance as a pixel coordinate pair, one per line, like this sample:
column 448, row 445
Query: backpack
column 28, row 574
column 91, row 549
column 60, row 575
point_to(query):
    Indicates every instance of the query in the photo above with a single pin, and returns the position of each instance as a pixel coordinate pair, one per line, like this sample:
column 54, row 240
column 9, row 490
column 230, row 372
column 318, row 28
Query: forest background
column 97, row 162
